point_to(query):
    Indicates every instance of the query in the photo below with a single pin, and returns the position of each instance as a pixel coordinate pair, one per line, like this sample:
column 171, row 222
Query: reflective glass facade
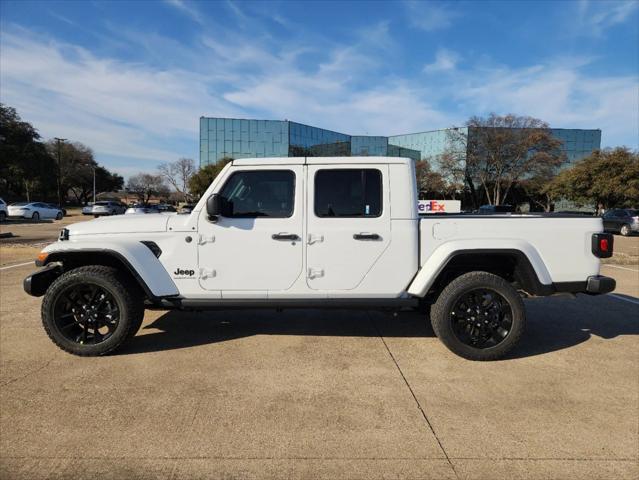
column 238, row 138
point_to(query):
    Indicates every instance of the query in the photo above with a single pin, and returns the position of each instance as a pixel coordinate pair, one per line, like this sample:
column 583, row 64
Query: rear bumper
column 598, row 284
column 594, row 285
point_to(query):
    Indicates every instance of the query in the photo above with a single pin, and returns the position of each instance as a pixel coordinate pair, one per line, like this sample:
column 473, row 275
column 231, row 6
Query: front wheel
column 35, row 216
column 625, row 230
column 479, row 316
column 91, row 310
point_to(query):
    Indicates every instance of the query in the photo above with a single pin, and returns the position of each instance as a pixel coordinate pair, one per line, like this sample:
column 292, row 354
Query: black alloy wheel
column 92, row 310
column 481, row 318
column 86, row 314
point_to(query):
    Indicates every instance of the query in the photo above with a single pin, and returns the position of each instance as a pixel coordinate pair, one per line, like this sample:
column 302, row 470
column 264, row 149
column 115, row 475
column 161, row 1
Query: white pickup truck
column 309, row 233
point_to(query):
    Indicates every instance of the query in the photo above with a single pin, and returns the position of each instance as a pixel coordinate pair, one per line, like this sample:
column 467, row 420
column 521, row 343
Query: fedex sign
column 438, row 206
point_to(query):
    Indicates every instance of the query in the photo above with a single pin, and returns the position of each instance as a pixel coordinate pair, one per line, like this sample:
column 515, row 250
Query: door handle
column 285, row 236
column 366, row 236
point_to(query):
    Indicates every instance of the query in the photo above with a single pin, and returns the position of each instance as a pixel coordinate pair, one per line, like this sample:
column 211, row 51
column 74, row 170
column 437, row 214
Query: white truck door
column 257, row 245
column 348, row 222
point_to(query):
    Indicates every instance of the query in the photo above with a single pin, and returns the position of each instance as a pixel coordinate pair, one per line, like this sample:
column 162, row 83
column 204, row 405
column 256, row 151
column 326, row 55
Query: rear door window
column 348, row 193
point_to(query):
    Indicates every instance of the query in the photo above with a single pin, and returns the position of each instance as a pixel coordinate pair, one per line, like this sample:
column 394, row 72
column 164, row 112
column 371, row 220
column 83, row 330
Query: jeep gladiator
column 315, row 232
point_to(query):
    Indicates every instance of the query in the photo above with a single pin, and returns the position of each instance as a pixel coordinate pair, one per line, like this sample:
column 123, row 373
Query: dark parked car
column 490, row 209
column 621, row 220
column 188, row 208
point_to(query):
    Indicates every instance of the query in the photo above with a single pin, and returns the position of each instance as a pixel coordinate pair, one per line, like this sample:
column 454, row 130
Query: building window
column 348, row 193
column 263, row 193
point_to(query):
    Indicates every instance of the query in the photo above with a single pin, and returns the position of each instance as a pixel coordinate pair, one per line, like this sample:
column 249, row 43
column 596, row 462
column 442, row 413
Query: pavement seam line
column 410, row 389
column 18, row 265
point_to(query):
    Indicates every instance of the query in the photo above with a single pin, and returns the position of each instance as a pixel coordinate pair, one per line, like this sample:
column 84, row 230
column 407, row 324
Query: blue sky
column 131, row 79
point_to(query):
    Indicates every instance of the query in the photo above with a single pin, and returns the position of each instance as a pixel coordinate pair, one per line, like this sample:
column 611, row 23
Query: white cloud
column 148, row 112
column 445, row 60
column 430, row 15
column 557, row 92
column 595, row 17
column 187, row 9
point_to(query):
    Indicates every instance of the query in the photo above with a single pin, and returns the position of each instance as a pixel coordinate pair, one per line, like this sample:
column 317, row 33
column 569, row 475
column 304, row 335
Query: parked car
column 142, row 208
column 188, row 208
column 162, row 207
column 621, row 220
column 107, row 208
column 51, row 205
column 3, row 210
column 88, row 209
column 34, row 210
column 490, row 209
column 317, row 232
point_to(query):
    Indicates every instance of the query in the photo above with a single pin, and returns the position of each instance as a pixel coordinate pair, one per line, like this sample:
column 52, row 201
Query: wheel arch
column 136, row 259
column 512, row 264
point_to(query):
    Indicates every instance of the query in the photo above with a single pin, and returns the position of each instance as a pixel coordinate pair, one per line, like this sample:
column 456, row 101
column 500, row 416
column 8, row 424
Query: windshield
column 633, row 213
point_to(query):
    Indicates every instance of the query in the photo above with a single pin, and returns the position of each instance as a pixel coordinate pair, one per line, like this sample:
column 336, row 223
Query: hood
column 155, row 222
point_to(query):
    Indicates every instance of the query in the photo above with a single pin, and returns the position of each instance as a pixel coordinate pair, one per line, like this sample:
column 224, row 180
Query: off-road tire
column 441, row 315
column 121, row 288
column 625, row 230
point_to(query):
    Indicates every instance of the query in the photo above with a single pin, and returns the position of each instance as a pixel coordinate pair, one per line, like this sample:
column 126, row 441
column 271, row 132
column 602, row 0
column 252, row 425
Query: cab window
column 348, row 193
column 260, row 193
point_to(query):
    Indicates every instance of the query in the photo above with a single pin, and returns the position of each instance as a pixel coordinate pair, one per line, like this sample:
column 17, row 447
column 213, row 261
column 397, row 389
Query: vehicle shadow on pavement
column 188, row 329
column 553, row 324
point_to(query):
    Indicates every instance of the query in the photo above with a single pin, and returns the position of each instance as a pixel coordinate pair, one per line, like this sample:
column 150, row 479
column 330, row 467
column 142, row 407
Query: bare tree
column 500, row 151
column 178, row 174
column 146, row 185
column 429, row 184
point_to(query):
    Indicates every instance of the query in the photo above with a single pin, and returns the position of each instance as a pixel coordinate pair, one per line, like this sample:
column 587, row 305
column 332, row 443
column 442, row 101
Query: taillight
column 602, row 244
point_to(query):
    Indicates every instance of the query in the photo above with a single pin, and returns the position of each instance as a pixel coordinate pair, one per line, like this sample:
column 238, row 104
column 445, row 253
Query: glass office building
column 239, row 138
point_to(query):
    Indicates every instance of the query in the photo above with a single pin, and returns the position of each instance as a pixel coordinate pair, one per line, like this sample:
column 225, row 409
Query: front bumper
column 38, row 282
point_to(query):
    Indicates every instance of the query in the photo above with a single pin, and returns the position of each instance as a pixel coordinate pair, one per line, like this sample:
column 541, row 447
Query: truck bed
column 558, row 246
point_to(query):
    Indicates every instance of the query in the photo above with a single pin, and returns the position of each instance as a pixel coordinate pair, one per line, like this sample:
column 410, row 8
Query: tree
column 429, row 184
column 146, row 185
column 203, row 178
column 607, row 177
column 502, row 150
column 105, row 181
column 25, row 166
column 76, row 171
column 178, row 174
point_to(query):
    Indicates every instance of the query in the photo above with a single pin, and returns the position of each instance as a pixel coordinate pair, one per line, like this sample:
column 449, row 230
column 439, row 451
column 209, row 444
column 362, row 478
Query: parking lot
column 320, row 394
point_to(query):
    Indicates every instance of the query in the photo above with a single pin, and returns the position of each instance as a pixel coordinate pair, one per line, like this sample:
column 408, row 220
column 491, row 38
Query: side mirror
column 214, row 206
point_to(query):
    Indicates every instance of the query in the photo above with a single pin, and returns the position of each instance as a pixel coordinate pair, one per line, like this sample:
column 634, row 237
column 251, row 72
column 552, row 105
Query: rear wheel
column 91, row 310
column 3, row 217
column 479, row 316
column 59, row 216
column 625, row 230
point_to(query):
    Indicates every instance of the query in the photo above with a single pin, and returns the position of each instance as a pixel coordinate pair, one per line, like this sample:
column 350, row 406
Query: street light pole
column 59, row 144
column 94, row 185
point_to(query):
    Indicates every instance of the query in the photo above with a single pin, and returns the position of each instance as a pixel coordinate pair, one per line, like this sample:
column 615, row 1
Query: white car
column 34, row 211
column 3, row 210
column 87, row 209
column 107, row 208
column 316, row 232
column 138, row 209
